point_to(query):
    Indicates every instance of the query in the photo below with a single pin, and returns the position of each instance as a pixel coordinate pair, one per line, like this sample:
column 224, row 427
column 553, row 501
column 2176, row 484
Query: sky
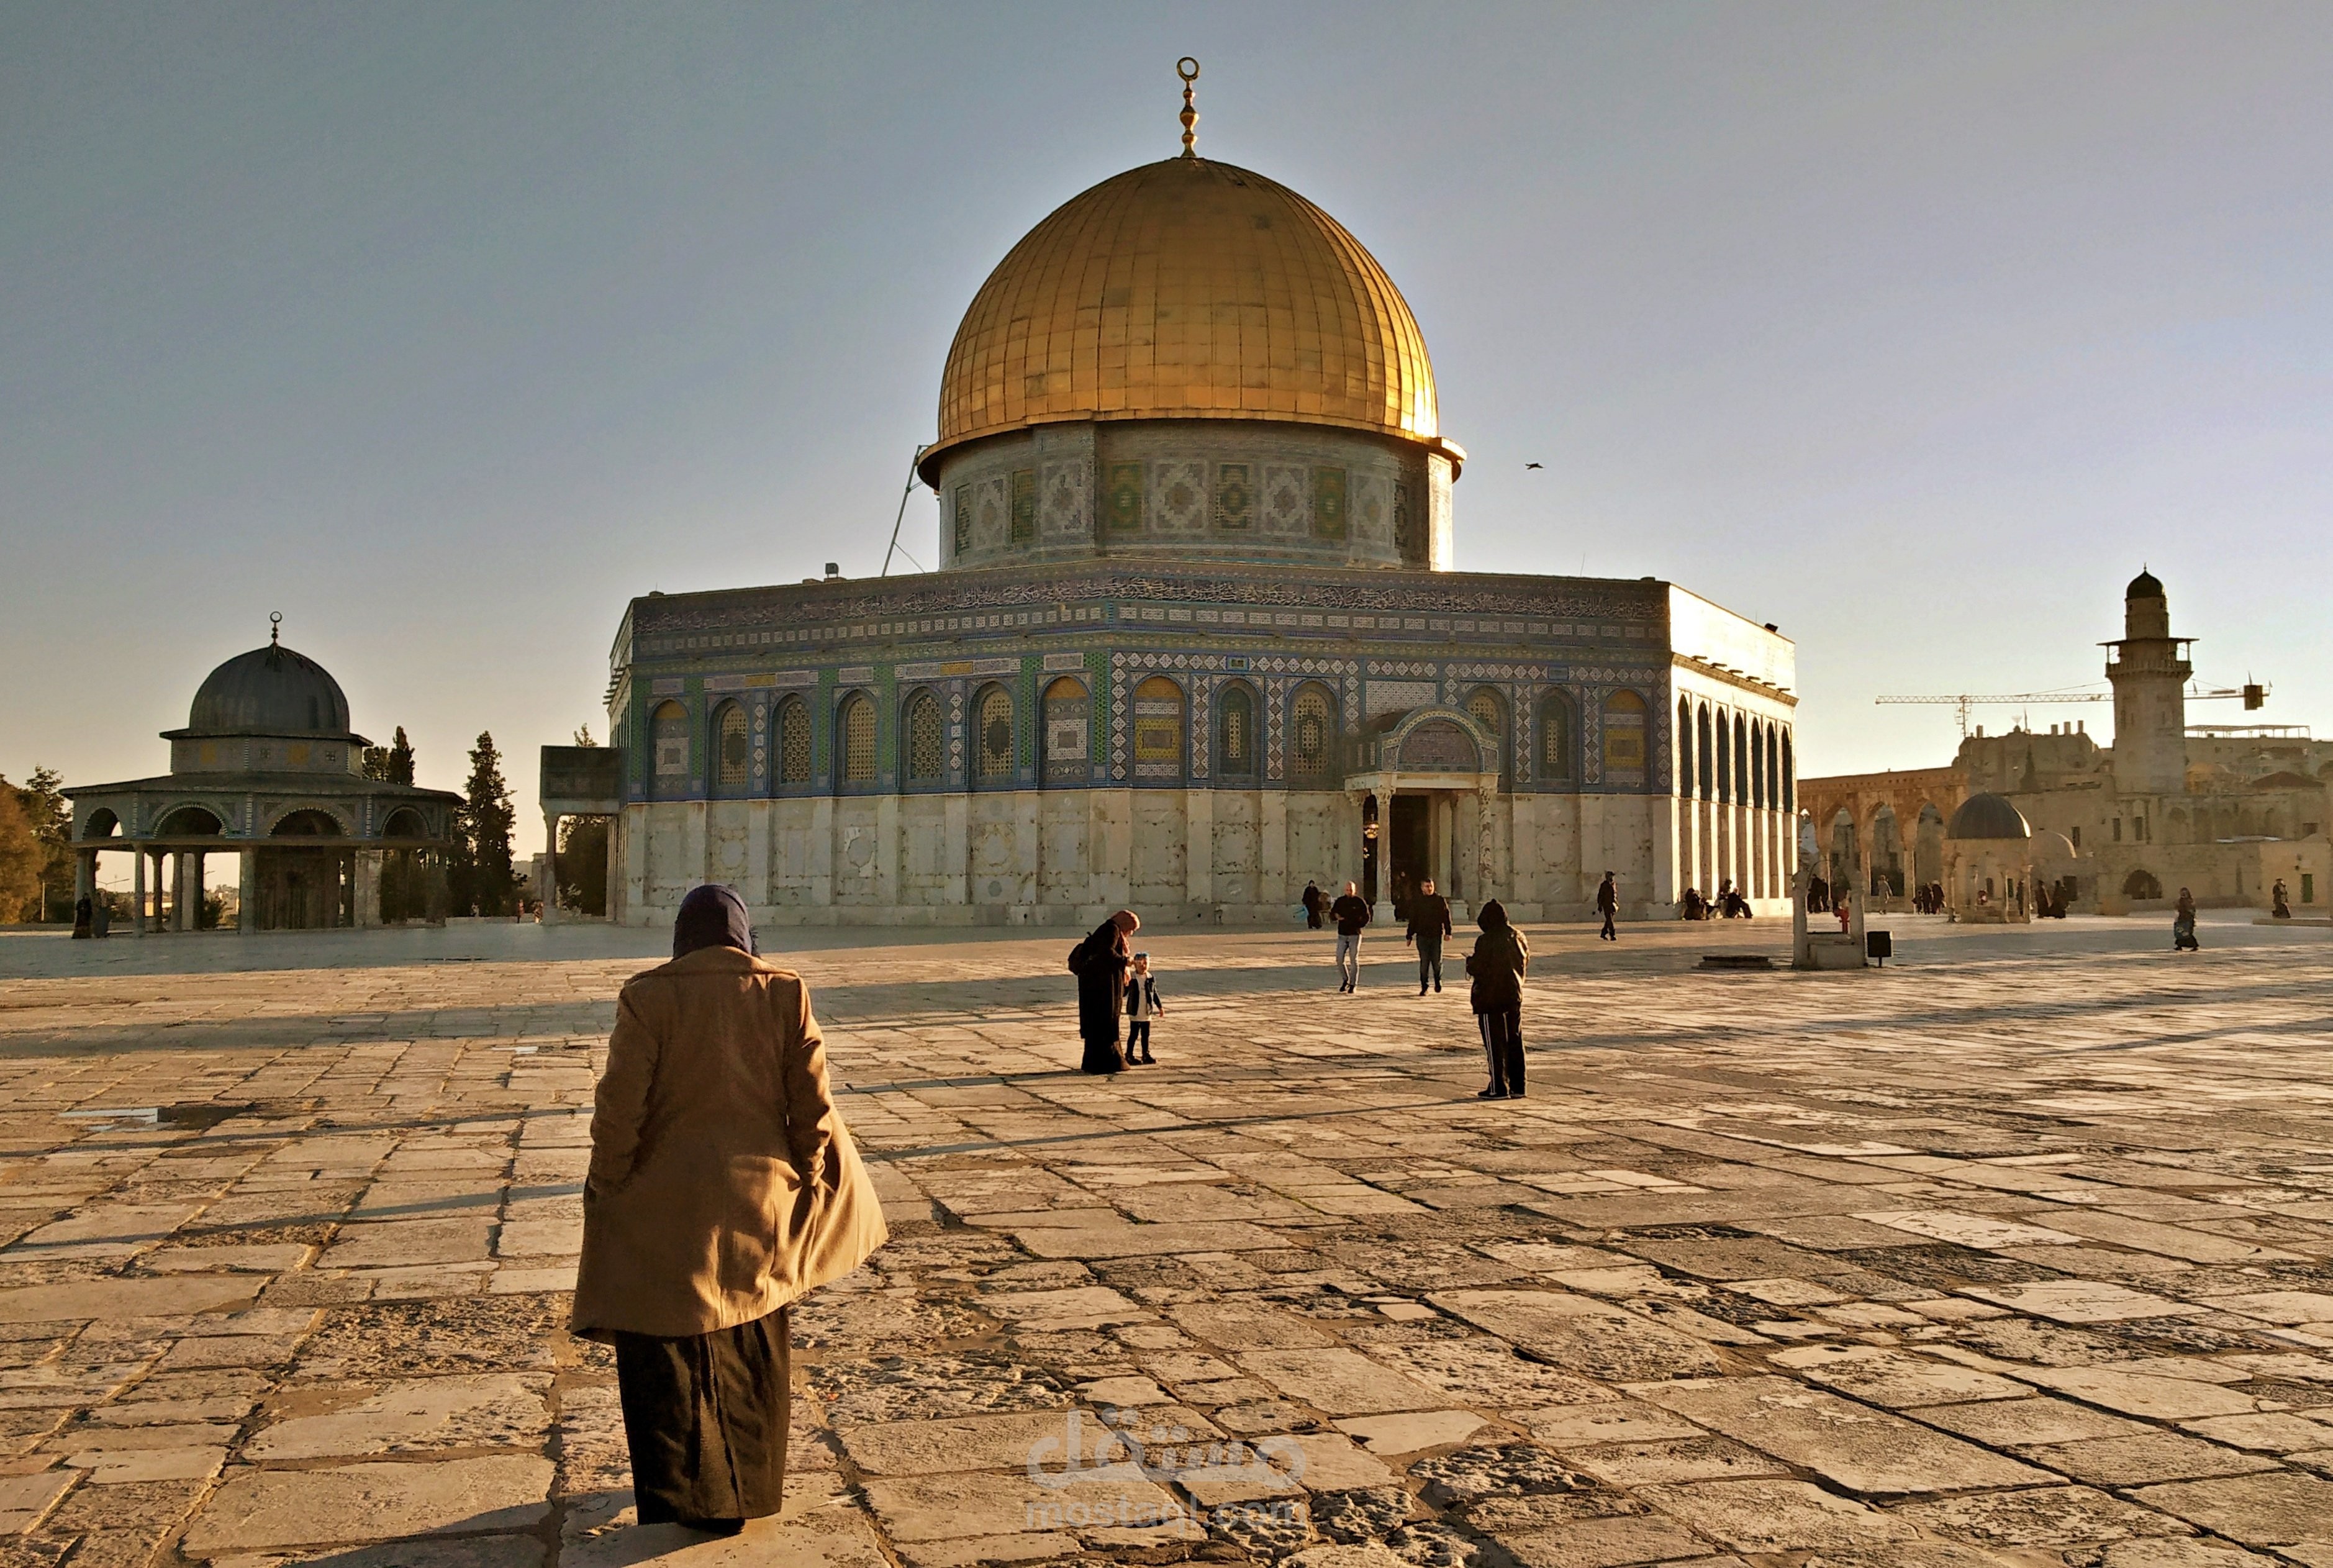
column 444, row 330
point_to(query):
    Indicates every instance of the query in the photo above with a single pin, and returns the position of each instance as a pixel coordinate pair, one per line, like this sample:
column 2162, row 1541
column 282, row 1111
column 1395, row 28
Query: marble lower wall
column 1188, row 857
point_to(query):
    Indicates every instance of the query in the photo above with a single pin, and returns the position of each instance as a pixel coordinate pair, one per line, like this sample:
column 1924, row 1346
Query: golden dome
column 1188, row 289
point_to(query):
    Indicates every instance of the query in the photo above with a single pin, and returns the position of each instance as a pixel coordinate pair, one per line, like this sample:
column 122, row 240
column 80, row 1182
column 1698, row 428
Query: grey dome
column 1988, row 816
column 270, row 690
column 2145, row 585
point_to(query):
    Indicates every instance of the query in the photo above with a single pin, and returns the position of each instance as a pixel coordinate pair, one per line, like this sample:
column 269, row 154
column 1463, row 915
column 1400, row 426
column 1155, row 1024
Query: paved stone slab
column 1575, row 1331
column 1862, row 1449
column 257, row 1509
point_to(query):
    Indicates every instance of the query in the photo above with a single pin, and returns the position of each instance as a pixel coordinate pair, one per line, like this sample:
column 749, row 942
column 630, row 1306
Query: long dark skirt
column 706, row 1420
column 1102, row 1054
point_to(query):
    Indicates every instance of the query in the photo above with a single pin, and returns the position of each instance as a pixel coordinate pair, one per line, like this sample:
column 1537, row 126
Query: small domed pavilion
column 268, row 767
column 1988, row 860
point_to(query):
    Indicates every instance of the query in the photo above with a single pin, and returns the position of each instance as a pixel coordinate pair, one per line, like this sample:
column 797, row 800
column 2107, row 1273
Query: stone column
column 612, row 889
column 548, row 891
column 195, row 915
column 1381, row 907
column 85, row 877
column 247, row 892
column 368, row 888
column 137, row 892
column 1486, row 796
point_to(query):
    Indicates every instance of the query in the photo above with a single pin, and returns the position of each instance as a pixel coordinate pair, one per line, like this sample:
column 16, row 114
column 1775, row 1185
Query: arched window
column 733, row 753
column 1068, row 736
column 794, row 741
column 1774, row 768
column 1312, row 735
column 669, row 751
column 1557, row 740
column 1685, row 747
column 992, row 712
column 1235, row 747
column 926, row 740
column 1740, row 760
column 1624, row 740
column 1158, row 729
column 2141, row 884
column 1704, row 768
column 1487, row 708
column 1725, row 758
column 1757, row 796
column 855, row 732
column 1790, row 776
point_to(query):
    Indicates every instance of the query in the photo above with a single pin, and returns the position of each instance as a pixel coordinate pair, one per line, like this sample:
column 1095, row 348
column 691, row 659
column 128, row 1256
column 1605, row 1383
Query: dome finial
column 1187, row 68
column 274, row 627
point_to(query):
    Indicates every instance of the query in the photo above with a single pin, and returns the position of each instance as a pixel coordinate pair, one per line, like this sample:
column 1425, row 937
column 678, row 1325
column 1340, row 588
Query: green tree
column 583, row 736
column 391, row 764
column 479, row 868
column 22, row 856
column 43, row 797
column 583, row 864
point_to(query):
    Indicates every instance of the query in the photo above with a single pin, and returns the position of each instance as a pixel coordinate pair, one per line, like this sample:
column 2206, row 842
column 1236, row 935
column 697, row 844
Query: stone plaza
column 2014, row 1251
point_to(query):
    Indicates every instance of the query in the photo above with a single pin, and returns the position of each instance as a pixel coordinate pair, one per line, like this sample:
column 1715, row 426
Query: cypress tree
column 479, row 873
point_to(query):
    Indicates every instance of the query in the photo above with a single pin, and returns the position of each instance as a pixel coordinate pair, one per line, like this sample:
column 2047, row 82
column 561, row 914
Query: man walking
column 1607, row 904
column 1352, row 913
column 1430, row 922
column 1313, row 902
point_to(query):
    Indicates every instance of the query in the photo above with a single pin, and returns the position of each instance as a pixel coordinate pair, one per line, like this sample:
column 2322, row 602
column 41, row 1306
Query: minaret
column 2149, row 672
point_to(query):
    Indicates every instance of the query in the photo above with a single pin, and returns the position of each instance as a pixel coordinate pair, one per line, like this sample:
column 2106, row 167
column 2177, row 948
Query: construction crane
column 2253, row 694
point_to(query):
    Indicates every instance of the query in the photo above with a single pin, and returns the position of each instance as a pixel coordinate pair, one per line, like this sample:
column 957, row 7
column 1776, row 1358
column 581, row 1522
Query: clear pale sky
column 445, row 329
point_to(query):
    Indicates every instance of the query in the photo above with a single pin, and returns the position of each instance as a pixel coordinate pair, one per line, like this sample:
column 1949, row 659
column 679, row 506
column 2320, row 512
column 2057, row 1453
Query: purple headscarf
column 712, row 916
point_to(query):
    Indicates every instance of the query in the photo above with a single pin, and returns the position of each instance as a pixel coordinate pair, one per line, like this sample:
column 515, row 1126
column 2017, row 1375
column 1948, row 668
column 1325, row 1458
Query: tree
column 479, row 870
column 22, row 856
column 391, row 764
column 43, row 798
column 583, row 736
column 583, row 865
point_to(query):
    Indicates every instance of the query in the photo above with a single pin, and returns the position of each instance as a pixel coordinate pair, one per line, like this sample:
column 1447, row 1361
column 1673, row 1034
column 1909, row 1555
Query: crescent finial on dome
column 1187, row 68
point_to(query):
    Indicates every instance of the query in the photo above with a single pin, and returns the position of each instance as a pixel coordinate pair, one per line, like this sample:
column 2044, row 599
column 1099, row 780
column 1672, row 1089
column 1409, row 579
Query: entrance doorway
column 1413, row 849
column 1372, row 841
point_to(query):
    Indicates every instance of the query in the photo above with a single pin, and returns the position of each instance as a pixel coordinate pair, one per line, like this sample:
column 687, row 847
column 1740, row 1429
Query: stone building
column 1194, row 638
column 2224, row 811
column 268, row 770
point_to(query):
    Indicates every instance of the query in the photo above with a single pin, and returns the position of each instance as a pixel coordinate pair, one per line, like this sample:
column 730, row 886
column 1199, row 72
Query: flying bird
column 1534, row 465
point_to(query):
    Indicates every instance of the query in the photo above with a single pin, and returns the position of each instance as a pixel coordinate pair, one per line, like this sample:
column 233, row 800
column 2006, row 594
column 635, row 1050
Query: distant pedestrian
column 1314, row 901
column 1351, row 912
column 1500, row 959
column 1430, row 922
column 2183, row 924
column 2279, row 907
column 1142, row 1004
column 722, row 1186
column 100, row 915
column 1100, row 963
column 82, row 916
column 1839, row 907
column 1607, row 904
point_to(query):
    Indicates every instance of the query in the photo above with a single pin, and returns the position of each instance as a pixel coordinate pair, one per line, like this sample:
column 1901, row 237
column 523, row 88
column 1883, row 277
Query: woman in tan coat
column 723, row 1187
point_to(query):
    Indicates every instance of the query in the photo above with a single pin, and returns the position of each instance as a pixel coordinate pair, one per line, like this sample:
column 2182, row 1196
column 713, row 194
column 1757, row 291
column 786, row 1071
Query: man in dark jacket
column 1501, row 956
column 1351, row 912
column 1607, row 904
column 1100, row 963
column 1430, row 922
column 1313, row 904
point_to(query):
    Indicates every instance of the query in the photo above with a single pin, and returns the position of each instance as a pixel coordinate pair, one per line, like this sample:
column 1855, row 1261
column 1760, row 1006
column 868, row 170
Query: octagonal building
column 1195, row 639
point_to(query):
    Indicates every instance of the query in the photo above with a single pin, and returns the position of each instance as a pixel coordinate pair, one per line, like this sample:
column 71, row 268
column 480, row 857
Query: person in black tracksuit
column 1607, row 904
column 1500, row 958
column 1430, row 922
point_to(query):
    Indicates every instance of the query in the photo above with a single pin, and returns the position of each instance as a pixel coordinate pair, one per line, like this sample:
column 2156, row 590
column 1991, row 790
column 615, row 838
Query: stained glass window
column 995, row 718
column 926, row 741
column 857, row 740
column 1555, row 741
column 794, row 741
column 1311, row 724
column 733, row 754
column 1158, row 729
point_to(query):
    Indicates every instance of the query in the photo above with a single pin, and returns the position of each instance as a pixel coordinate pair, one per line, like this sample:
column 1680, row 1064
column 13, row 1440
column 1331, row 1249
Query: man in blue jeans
column 1350, row 912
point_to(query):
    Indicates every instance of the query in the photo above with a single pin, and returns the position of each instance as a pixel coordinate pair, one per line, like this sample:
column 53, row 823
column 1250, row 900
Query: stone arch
column 1704, row 768
column 1842, row 850
column 995, row 754
column 669, row 751
column 729, row 767
column 1725, row 728
column 1069, row 731
column 925, row 749
column 1558, row 740
column 2141, row 883
column 307, row 822
column 1928, row 845
column 1626, row 721
column 794, row 758
column 1889, row 864
column 404, row 822
column 856, row 762
column 1239, row 740
column 1159, row 730
column 1740, row 760
column 101, row 824
column 1314, row 725
column 1790, row 775
column 188, row 821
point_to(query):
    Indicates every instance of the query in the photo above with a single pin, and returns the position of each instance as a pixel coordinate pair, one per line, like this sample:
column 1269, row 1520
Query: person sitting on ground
column 722, row 1187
